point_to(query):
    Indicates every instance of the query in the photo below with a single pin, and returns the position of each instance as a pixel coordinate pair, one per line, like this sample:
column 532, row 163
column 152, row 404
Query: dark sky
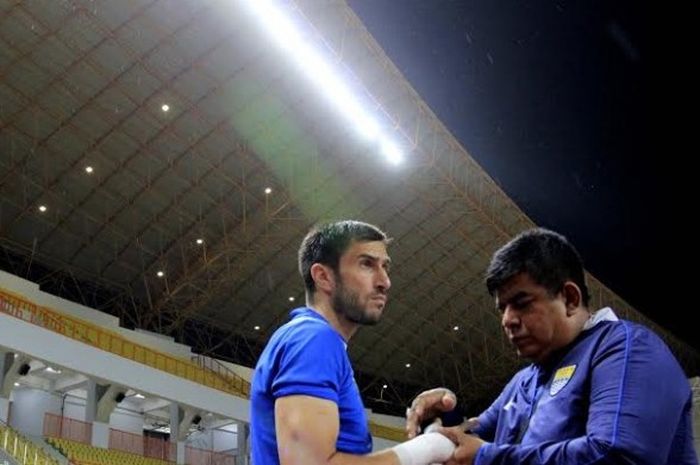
column 553, row 99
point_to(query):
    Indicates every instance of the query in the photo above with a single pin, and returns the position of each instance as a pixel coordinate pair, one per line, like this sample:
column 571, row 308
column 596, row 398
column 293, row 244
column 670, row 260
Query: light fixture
column 268, row 190
column 322, row 72
column 256, row 327
column 139, row 396
column 384, row 386
column 88, row 169
column 200, row 241
column 456, row 328
column 42, row 208
column 160, row 274
column 391, row 152
column 16, row 384
column 291, row 299
column 408, row 365
column 165, row 107
column 52, row 370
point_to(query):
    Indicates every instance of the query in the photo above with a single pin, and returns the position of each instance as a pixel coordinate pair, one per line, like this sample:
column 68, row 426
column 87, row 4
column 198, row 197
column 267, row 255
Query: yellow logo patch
column 561, row 378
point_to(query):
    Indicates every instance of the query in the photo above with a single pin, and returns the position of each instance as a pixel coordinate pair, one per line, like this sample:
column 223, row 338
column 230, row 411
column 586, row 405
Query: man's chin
column 369, row 317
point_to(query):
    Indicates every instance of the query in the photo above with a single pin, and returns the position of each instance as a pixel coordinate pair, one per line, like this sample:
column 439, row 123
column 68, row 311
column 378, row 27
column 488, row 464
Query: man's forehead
column 376, row 249
column 518, row 284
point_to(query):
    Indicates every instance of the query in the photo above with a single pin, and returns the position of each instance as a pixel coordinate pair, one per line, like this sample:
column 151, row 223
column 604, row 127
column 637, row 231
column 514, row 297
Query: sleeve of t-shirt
column 311, row 364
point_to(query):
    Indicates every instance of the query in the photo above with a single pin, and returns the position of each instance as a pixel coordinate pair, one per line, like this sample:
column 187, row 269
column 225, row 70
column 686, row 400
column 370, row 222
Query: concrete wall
column 51, row 347
column 387, row 420
column 126, row 420
column 28, row 409
column 74, row 407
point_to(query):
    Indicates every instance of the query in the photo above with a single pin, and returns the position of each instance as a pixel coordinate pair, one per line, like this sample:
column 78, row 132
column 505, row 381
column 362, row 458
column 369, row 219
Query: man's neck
column 344, row 327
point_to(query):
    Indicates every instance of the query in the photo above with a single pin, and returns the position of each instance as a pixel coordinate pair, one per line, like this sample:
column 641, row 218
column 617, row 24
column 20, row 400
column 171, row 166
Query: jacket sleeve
column 488, row 420
column 638, row 391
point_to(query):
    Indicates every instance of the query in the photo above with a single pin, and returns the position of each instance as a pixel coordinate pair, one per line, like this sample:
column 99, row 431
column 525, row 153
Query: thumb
column 449, row 401
column 453, row 433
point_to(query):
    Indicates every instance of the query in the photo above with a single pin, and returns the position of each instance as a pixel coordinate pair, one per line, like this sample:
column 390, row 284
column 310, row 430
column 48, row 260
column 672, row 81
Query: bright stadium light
column 286, row 35
column 391, row 152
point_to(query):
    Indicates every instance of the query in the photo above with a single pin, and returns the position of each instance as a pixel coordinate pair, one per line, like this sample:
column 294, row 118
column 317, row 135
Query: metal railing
column 222, row 371
column 22, row 449
column 109, row 341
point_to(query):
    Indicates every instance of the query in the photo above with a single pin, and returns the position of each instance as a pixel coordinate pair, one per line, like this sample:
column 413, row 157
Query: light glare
column 285, row 34
column 391, row 152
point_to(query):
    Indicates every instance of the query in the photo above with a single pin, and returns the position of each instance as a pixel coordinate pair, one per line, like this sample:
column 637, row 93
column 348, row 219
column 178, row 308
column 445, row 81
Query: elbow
column 620, row 453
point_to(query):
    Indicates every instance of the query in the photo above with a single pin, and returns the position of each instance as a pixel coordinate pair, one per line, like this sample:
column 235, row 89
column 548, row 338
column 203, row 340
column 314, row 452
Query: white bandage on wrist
column 424, row 449
column 433, row 426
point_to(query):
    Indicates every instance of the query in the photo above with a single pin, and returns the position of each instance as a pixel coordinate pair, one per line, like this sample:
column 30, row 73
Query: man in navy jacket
column 600, row 390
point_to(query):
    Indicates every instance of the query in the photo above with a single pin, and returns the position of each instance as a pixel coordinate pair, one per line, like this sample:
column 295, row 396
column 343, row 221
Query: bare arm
column 307, row 429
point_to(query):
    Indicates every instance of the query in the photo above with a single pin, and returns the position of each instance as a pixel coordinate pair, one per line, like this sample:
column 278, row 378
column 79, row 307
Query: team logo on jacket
column 561, row 378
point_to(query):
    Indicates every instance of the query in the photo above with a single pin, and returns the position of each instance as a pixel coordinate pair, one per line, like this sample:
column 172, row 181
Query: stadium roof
column 182, row 191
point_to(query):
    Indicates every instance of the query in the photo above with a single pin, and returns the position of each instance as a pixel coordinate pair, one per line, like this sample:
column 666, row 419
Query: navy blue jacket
column 616, row 395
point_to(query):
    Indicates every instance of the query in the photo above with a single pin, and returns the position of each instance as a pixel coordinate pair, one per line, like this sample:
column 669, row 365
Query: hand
column 427, row 406
column 467, row 445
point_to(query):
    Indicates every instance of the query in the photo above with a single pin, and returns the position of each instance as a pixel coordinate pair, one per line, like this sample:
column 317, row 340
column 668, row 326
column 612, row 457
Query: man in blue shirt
column 600, row 390
column 306, row 408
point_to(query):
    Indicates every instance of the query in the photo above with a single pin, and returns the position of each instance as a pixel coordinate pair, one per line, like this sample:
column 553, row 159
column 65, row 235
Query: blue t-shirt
column 615, row 396
column 306, row 356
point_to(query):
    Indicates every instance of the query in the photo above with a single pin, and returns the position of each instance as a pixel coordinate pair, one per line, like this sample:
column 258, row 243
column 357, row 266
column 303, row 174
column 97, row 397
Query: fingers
column 470, row 424
column 425, row 407
column 467, row 445
column 454, row 433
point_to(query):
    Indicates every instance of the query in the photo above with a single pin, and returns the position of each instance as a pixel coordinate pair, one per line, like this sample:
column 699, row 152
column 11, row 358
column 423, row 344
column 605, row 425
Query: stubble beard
column 347, row 303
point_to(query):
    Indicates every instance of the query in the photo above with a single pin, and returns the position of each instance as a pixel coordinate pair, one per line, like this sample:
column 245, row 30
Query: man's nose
column 383, row 281
column 510, row 318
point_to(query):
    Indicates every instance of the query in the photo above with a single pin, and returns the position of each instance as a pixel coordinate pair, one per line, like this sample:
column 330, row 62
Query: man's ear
column 323, row 277
column 572, row 297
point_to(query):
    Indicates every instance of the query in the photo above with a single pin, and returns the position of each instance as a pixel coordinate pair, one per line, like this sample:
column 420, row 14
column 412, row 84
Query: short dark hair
column 326, row 243
column 546, row 256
